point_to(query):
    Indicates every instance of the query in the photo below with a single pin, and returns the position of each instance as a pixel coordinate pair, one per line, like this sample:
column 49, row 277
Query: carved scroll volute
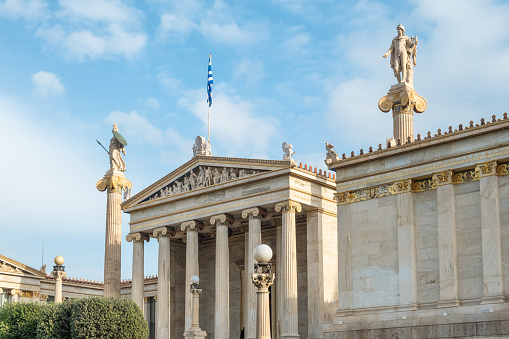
column 162, row 231
column 288, row 206
column 404, row 98
column 420, row 104
column 191, row 225
column 385, row 104
column 222, row 218
column 255, row 211
column 137, row 237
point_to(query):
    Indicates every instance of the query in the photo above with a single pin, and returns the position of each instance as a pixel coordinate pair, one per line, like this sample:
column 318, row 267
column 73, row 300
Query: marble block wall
column 469, row 241
column 302, row 278
column 374, row 253
column 503, row 183
column 426, row 246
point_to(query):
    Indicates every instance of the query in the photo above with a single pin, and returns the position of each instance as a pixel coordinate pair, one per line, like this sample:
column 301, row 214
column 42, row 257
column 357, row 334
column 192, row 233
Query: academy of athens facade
column 212, row 230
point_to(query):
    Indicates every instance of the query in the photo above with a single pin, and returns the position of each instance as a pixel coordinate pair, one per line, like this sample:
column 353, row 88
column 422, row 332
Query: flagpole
column 208, row 138
column 208, row 135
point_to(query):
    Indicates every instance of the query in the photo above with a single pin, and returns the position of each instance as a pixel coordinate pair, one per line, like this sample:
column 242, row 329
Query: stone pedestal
column 289, row 307
column 58, row 275
column 404, row 101
column 114, row 182
column 222, row 300
column 194, row 331
column 262, row 282
column 254, row 239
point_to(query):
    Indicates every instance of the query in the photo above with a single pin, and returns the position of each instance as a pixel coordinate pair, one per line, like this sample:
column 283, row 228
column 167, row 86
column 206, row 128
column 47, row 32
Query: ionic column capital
column 486, row 169
column 146, row 300
column 164, row 232
column 114, row 183
column 137, row 237
column 254, row 212
column 43, row 297
column 288, row 206
column 192, row 225
column 59, row 274
column 15, row 292
column 222, row 219
column 443, row 178
column 263, row 280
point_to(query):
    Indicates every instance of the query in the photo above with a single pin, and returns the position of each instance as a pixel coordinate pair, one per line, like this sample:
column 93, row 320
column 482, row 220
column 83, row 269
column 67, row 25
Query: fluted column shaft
column 288, row 265
column 163, row 283
column 254, row 239
column 138, row 240
column 192, row 268
column 222, row 283
column 58, row 285
column 403, row 126
column 279, row 308
column 112, row 255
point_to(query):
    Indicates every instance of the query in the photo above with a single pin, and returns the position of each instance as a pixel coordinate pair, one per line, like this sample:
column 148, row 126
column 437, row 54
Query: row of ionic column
column 286, row 279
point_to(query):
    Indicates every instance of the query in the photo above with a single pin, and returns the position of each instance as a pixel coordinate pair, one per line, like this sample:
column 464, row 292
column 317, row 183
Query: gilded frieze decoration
column 503, row 169
column 422, row 185
column 463, row 177
column 374, row 192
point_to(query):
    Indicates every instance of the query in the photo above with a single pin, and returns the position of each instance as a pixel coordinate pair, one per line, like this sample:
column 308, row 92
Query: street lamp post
column 262, row 279
column 195, row 331
column 58, row 273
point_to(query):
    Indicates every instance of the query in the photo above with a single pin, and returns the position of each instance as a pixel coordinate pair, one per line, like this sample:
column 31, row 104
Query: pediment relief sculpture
column 8, row 268
column 203, row 176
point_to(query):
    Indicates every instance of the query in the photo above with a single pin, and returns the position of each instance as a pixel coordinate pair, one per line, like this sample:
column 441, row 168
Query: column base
column 493, row 299
column 195, row 334
column 289, row 336
column 448, row 303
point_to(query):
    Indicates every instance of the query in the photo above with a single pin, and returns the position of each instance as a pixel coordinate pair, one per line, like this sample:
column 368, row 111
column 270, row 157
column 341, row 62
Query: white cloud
column 152, row 103
column 176, row 26
column 27, row 9
column 249, row 72
column 169, row 83
column 47, row 84
column 237, row 129
column 110, row 11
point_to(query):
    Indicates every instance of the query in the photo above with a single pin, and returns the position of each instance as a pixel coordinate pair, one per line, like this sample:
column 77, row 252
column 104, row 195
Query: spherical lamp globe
column 195, row 279
column 59, row 260
column 262, row 253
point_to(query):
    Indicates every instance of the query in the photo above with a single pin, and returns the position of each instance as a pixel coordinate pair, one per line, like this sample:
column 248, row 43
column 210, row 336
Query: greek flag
column 210, row 81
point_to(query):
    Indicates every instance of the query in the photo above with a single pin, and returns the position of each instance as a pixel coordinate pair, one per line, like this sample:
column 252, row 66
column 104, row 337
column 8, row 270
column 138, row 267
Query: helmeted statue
column 403, row 53
column 117, row 144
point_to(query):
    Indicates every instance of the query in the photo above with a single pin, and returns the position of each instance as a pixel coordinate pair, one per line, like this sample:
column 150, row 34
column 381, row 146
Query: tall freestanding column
column 491, row 236
column 222, row 300
column 138, row 240
column 194, row 331
column 254, row 239
column 447, row 253
column 192, row 268
column 262, row 279
column 58, row 273
column 288, row 265
column 114, row 181
column 163, row 282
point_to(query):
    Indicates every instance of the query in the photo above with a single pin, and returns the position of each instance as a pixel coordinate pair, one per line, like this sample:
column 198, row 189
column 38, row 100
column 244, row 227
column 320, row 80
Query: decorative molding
column 114, row 183
column 59, row 274
column 263, row 280
column 254, row 212
column 487, row 169
column 463, row 177
column 503, row 169
column 422, row 185
column 138, row 237
column 379, row 191
column 443, row 178
column 222, row 218
column 43, row 297
column 288, row 206
column 164, row 231
column 187, row 226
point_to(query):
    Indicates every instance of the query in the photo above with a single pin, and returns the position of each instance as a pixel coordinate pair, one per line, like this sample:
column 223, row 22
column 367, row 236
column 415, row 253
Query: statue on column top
column 403, row 52
column 117, row 144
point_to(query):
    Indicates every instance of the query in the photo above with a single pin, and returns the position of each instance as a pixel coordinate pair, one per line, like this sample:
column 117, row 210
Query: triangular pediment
column 10, row 266
column 203, row 172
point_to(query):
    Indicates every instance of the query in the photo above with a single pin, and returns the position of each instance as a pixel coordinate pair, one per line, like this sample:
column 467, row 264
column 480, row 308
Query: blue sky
column 300, row 71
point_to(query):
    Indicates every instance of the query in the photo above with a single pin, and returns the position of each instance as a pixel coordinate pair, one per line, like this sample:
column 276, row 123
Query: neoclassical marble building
column 207, row 217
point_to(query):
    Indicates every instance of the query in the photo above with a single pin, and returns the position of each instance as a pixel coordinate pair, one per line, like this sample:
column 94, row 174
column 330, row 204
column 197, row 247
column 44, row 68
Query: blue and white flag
column 210, row 81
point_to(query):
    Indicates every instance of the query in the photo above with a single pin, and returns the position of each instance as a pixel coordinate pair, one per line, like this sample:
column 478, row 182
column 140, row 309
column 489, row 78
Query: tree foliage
column 96, row 317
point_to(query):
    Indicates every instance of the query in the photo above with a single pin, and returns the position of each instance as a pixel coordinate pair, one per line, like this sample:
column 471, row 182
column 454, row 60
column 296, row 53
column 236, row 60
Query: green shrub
column 88, row 318
column 19, row 320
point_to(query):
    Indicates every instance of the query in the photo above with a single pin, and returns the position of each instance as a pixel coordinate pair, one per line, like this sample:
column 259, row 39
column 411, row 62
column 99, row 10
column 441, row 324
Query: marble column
column 315, row 273
column 406, row 246
column 146, row 309
column 288, row 265
column 254, row 239
column 163, row 282
column 192, row 268
column 447, row 254
column 138, row 285
column 15, row 295
column 262, row 282
column 222, row 283
column 114, row 182
column 344, row 256
column 490, row 231
column 277, row 282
